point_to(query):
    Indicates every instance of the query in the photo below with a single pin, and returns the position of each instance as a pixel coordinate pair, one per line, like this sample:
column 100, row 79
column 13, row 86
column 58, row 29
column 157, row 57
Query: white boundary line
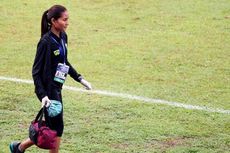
column 128, row 96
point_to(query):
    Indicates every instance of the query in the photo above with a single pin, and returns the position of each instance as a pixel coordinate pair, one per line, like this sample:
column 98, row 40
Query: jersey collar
column 58, row 39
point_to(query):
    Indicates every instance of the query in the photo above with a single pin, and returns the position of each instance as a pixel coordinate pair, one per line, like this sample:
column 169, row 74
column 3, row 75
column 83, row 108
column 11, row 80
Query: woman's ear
column 53, row 21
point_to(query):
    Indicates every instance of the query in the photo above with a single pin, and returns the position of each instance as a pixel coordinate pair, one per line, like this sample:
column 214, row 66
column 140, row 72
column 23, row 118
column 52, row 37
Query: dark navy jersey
column 51, row 50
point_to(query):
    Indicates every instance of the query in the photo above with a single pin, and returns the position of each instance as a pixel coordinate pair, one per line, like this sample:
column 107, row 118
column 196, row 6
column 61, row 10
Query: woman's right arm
column 37, row 70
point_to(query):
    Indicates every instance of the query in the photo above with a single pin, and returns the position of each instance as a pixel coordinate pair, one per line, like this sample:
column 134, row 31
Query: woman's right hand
column 46, row 101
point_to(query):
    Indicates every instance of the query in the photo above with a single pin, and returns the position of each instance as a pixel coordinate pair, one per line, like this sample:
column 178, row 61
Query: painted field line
column 128, row 96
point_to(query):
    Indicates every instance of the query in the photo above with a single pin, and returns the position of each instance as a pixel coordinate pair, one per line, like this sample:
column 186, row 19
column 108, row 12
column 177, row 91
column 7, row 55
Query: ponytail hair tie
column 47, row 17
column 47, row 13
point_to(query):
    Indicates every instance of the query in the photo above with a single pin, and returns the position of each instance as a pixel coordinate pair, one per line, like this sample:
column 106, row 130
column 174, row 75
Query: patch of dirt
column 169, row 143
column 162, row 145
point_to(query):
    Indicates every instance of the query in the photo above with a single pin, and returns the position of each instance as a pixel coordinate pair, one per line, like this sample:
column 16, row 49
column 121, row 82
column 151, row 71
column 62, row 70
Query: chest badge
column 56, row 52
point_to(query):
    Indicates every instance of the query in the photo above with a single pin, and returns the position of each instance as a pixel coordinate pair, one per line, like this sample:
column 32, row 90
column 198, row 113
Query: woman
column 50, row 69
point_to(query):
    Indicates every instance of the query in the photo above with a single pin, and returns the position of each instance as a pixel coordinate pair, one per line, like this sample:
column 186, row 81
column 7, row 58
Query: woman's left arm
column 73, row 73
column 76, row 76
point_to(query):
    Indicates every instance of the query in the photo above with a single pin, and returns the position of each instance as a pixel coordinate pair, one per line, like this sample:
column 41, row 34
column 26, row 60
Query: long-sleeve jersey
column 47, row 57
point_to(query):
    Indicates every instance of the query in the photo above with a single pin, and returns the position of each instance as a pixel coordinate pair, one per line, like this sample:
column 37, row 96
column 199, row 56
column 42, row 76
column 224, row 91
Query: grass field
column 176, row 50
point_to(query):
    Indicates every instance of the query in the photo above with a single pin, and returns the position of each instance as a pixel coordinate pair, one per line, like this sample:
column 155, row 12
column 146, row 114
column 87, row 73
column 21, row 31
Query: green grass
column 174, row 50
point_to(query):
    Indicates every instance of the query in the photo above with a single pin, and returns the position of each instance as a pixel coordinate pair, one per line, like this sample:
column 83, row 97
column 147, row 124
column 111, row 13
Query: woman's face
column 61, row 23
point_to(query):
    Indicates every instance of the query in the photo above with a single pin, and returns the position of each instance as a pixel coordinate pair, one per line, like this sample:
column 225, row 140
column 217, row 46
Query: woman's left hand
column 86, row 84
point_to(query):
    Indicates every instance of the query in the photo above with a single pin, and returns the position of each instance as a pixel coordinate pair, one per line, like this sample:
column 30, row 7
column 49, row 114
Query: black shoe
column 14, row 147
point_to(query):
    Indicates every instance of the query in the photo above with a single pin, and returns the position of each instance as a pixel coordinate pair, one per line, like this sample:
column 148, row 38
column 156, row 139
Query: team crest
column 56, row 52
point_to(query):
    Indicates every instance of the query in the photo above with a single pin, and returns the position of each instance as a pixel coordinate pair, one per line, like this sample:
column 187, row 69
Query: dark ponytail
column 45, row 25
column 54, row 12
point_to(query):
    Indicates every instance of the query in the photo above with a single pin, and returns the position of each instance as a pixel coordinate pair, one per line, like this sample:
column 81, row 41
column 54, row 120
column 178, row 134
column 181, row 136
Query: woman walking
column 50, row 70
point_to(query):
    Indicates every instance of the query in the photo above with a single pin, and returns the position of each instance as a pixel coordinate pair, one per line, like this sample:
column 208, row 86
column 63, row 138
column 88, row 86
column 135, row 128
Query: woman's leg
column 56, row 123
column 25, row 144
column 58, row 141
